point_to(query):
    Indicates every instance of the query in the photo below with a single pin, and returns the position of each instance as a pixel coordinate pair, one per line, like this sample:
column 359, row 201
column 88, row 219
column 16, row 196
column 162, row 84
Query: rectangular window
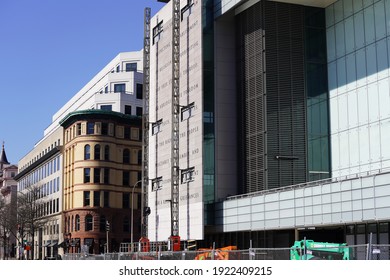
column 106, row 89
column 157, row 32
column 126, row 201
column 127, row 109
column 106, row 199
column 130, row 67
column 106, row 107
column 125, row 178
column 87, row 175
column 120, row 88
column 96, row 175
column 87, row 198
column 104, row 128
column 138, row 111
column 118, row 69
column 187, row 10
column 127, row 131
column 187, row 175
column 156, row 127
column 106, row 176
column 96, row 198
column 139, row 91
column 187, row 111
column 90, row 128
column 78, row 129
column 157, row 184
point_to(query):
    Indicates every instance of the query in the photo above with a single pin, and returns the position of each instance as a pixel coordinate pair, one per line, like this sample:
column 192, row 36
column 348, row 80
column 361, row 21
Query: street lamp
column 132, row 213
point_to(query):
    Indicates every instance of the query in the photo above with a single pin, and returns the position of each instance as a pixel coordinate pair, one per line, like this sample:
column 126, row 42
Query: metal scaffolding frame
column 145, row 122
column 175, row 170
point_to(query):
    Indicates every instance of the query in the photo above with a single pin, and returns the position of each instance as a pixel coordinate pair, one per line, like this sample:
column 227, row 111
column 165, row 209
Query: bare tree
column 31, row 209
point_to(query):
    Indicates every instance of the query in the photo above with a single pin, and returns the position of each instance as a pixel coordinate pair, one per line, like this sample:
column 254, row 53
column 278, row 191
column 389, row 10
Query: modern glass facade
column 358, row 46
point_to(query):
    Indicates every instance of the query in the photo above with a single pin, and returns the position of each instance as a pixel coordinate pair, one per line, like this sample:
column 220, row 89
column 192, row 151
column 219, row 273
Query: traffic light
column 107, row 226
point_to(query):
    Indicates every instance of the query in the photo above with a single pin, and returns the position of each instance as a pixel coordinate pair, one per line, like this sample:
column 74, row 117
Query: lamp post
column 132, row 213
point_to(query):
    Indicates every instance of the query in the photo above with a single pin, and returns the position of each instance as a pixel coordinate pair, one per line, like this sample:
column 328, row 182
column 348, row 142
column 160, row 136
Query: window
column 106, row 107
column 78, row 129
column 106, row 199
column 87, row 198
column 102, row 223
column 131, row 67
column 157, row 184
column 120, row 88
column 125, row 178
column 96, row 152
column 118, row 69
column 138, row 111
column 127, row 131
column 88, row 222
column 96, row 175
column 156, row 127
column 87, row 152
column 139, row 91
column 187, row 10
column 106, row 176
column 96, row 198
column 87, row 175
column 187, row 175
column 187, row 111
column 107, row 152
column 126, row 200
column 104, row 128
column 77, row 223
column 106, row 89
column 139, row 157
column 157, row 32
column 126, row 224
column 126, row 156
column 90, row 128
column 127, row 109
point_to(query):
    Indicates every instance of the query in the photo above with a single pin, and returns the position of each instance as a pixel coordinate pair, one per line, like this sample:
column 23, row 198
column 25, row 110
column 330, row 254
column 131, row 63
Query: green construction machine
column 311, row 250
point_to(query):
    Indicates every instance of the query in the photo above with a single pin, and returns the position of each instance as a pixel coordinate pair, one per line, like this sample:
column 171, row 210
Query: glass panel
column 373, row 103
column 331, row 44
column 340, row 40
column 369, row 27
column 341, row 76
column 382, row 62
column 371, row 63
column 351, row 71
column 357, row 5
column 362, row 103
column 338, row 11
column 361, row 67
column 329, row 13
column 380, row 20
column 359, row 30
column 348, row 8
column 349, row 35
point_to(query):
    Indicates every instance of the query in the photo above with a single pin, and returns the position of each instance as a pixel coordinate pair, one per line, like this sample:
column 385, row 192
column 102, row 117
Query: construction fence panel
column 357, row 252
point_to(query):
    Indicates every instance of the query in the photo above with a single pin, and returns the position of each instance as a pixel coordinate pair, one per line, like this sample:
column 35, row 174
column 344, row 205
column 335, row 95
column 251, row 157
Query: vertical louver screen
column 272, row 95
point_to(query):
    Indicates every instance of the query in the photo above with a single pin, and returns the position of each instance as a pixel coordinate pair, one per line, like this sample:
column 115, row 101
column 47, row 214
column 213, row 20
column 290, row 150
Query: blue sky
column 49, row 49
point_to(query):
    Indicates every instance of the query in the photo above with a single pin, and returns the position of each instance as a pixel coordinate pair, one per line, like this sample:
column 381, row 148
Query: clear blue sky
column 49, row 49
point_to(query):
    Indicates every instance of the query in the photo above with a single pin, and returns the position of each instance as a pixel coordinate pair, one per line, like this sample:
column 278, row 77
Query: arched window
column 96, row 155
column 88, row 222
column 126, row 156
column 77, row 223
column 87, row 152
column 107, row 152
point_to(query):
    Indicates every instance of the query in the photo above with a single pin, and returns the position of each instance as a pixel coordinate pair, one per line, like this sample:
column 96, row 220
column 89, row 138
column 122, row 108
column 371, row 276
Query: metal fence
column 358, row 252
